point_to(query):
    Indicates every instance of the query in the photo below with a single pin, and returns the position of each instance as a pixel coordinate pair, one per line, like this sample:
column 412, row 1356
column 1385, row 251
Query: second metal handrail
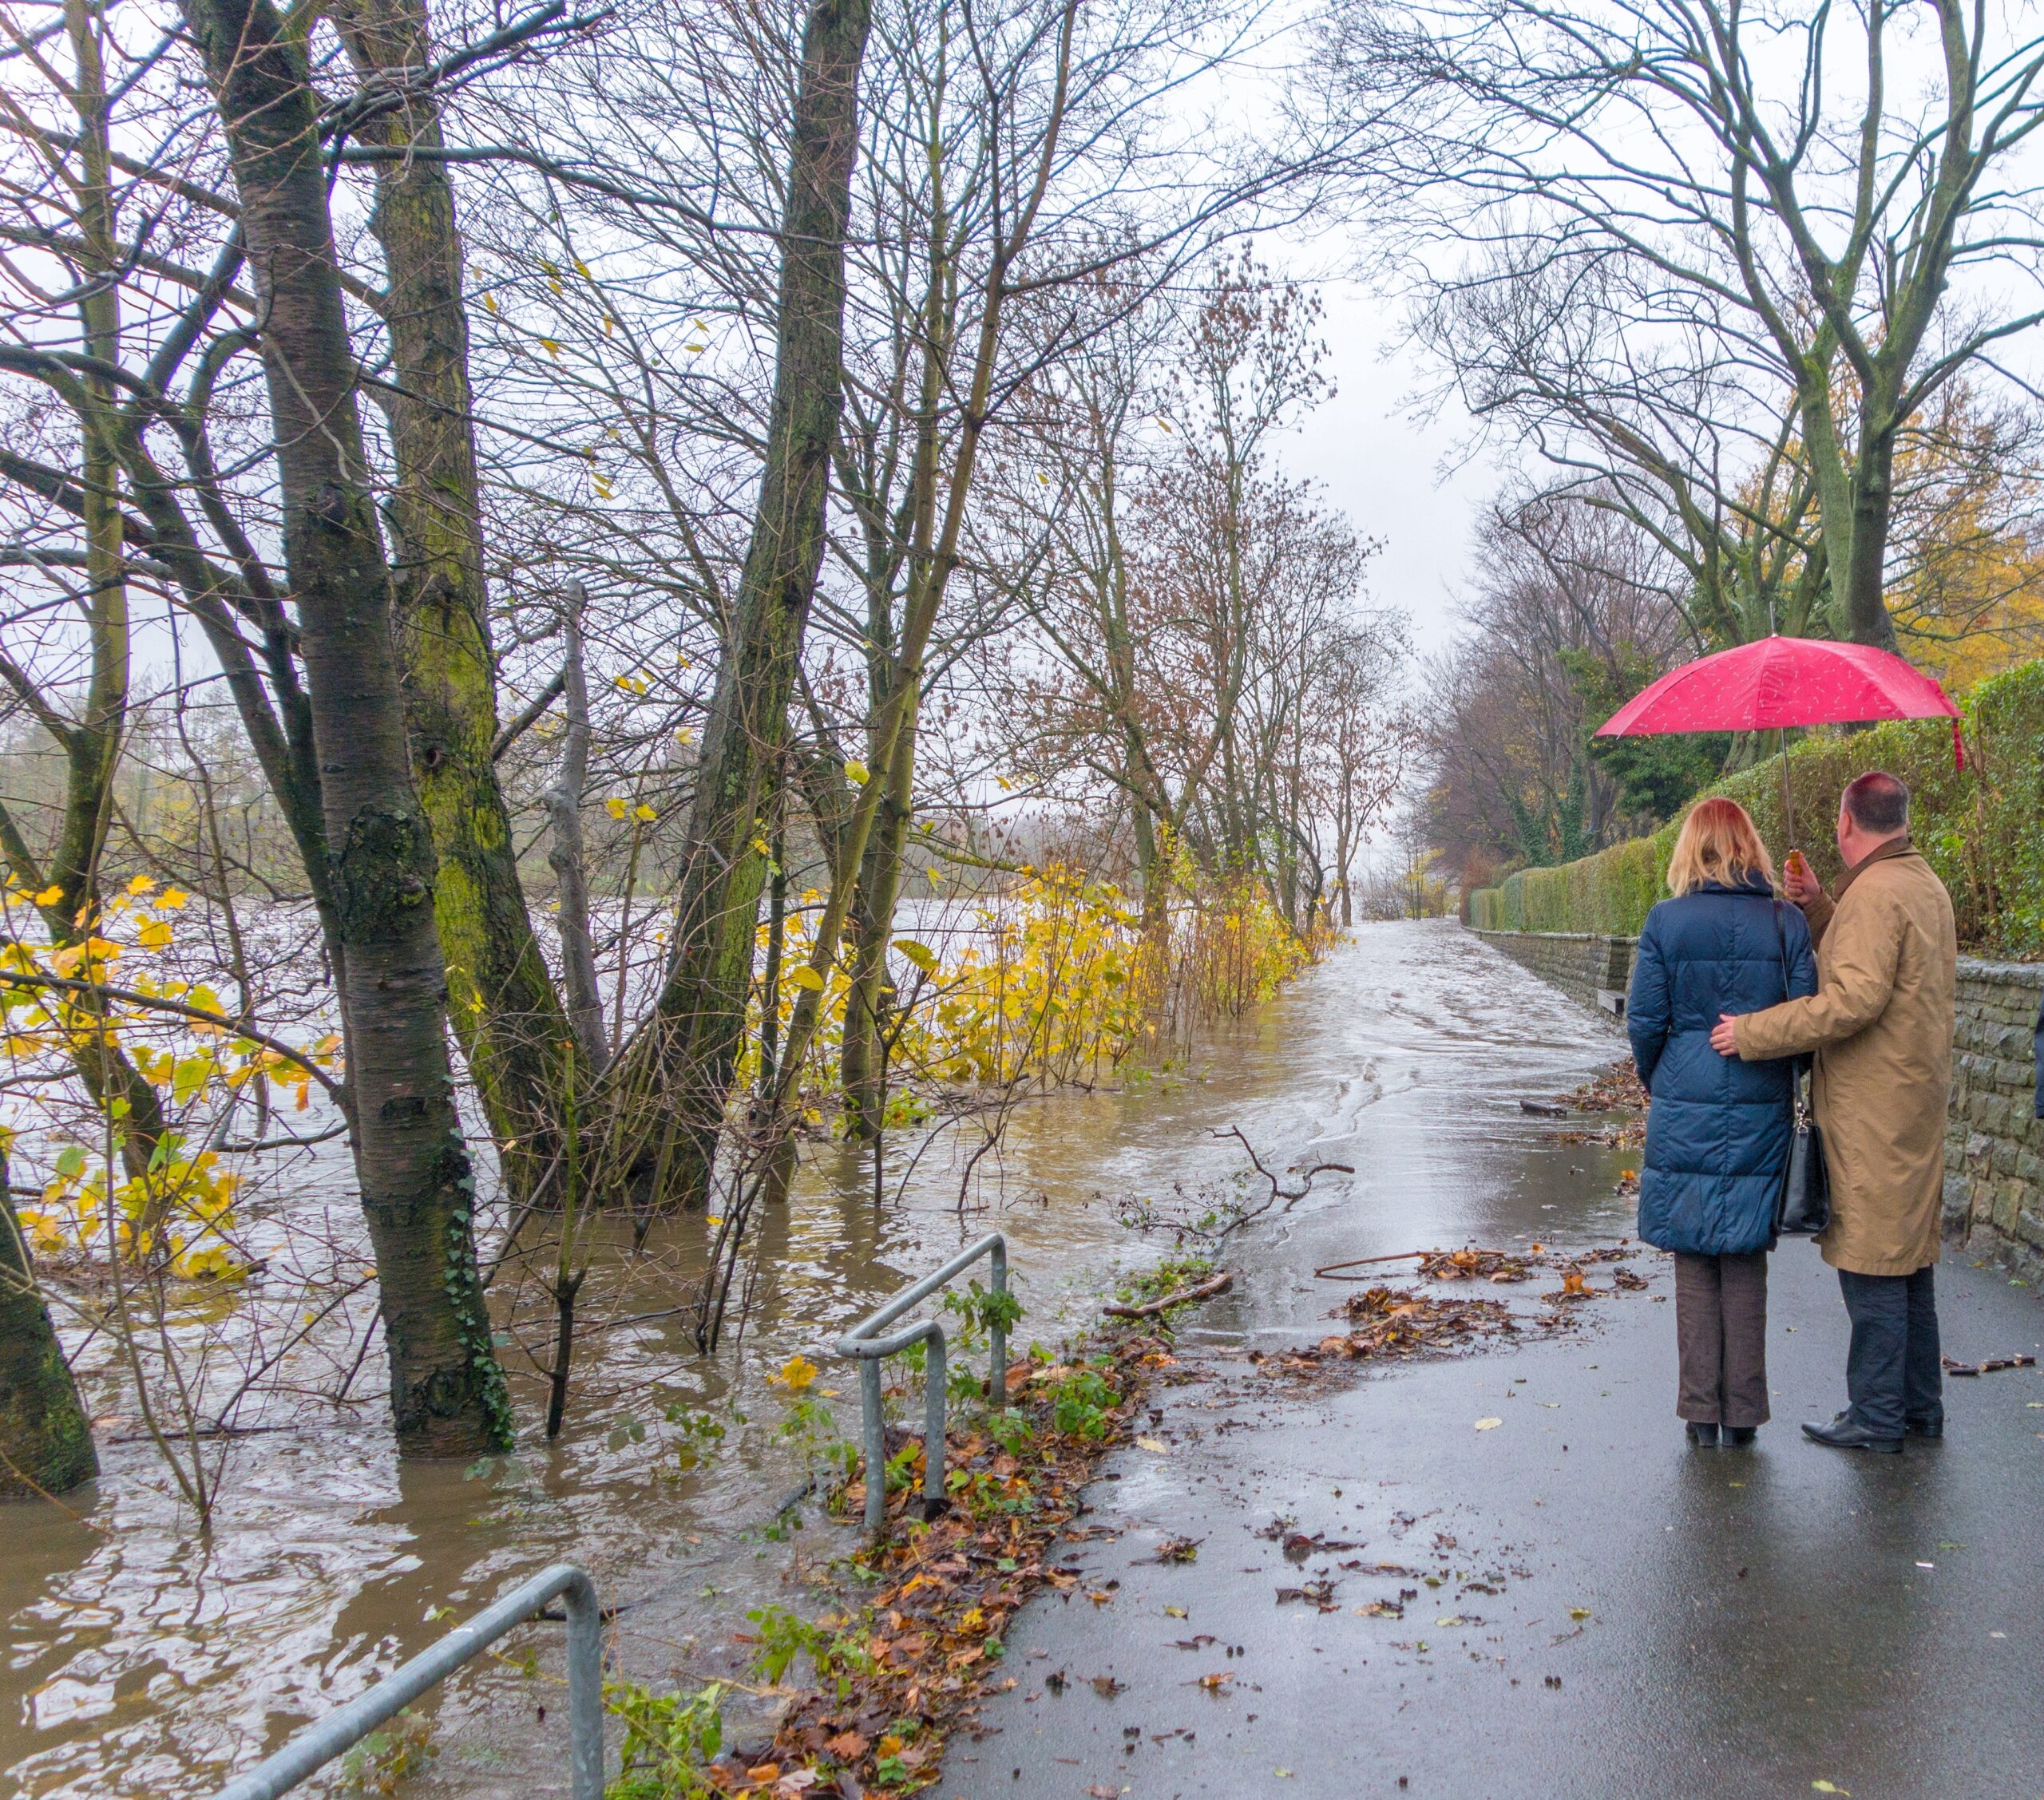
column 341, row 1730
column 860, row 1343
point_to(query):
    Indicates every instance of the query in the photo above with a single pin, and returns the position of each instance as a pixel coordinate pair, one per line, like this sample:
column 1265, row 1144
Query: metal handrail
column 320, row 1743
column 860, row 1343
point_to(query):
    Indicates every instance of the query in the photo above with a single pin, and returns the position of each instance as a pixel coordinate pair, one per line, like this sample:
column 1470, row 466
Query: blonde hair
column 1717, row 843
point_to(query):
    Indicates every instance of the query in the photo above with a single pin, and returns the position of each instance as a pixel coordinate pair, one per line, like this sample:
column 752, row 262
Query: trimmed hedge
column 1983, row 831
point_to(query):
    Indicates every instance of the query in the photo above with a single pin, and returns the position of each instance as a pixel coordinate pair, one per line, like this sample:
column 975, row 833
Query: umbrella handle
column 1787, row 799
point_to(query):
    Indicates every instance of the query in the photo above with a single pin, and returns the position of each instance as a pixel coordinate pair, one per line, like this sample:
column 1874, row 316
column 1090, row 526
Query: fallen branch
column 1150, row 1309
column 1325, row 1271
column 1290, row 1198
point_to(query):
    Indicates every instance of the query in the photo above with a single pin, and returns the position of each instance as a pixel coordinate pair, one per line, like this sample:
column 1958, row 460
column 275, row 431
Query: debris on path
column 1989, row 1366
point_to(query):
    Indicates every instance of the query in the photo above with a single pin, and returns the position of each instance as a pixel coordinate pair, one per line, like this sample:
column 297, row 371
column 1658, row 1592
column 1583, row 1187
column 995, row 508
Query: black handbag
column 1803, row 1207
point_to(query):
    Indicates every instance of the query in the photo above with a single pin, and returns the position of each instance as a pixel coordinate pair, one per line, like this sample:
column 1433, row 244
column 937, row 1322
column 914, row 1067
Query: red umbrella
column 1776, row 682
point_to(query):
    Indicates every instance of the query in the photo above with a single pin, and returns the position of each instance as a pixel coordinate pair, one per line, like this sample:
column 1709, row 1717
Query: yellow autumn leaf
column 795, row 1374
column 601, row 486
column 154, row 935
column 856, row 771
column 142, row 884
column 49, row 895
column 643, row 811
column 615, row 807
column 171, row 900
column 551, row 348
column 807, row 977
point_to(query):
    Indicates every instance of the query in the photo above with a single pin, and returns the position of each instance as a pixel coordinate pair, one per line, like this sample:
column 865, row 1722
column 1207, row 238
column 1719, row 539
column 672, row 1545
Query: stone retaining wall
column 1594, row 969
column 1995, row 1149
column 1994, row 1146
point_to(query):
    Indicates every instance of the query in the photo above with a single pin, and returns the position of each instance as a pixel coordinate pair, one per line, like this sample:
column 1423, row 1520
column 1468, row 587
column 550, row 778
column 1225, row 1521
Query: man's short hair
column 1878, row 804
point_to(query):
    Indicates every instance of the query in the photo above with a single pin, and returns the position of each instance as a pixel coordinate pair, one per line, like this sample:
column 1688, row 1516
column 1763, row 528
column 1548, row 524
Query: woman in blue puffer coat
column 1717, row 1132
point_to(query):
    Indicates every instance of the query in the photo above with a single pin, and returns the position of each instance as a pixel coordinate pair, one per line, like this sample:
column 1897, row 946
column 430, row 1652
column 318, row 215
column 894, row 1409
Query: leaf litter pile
column 1616, row 1090
column 1388, row 1324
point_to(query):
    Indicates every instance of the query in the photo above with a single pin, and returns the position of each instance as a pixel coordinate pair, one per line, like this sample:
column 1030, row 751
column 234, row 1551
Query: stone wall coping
column 2021, row 974
column 1971, row 968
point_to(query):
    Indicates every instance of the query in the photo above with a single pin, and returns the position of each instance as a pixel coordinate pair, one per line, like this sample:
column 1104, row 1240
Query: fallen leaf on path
column 1488, row 1424
column 1176, row 1612
column 1155, row 1446
column 1823, row 1786
column 1214, row 1684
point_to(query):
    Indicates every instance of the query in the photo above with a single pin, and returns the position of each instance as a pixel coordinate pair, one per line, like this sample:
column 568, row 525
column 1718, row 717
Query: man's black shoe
column 1736, row 1437
column 1704, row 1437
column 1843, row 1434
column 1924, row 1427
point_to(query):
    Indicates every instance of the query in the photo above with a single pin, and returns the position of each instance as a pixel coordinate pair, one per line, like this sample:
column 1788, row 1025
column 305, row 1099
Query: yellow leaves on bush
column 179, row 1208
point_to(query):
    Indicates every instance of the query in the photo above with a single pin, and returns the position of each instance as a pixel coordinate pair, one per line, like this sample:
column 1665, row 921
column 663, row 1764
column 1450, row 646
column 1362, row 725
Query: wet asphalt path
column 1594, row 1608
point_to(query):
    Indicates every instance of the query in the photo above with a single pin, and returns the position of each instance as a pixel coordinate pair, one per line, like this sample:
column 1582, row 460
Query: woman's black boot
column 1736, row 1437
column 1704, row 1437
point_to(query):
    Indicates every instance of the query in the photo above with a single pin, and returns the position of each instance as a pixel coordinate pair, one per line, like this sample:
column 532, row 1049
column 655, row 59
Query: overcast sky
column 1385, row 472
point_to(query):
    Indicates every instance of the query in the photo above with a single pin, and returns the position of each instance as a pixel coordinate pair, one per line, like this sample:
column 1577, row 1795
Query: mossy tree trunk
column 447, row 1393
column 45, row 1439
column 692, row 1041
column 502, row 1000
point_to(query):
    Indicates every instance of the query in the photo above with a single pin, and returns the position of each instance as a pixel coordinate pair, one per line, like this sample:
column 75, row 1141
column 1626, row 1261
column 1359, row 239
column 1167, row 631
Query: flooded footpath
column 145, row 1659
column 1504, row 1572
column 150, row 1659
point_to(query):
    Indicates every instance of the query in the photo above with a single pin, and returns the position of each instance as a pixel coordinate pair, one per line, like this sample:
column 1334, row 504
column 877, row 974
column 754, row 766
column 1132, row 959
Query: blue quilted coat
column 1717, row 1132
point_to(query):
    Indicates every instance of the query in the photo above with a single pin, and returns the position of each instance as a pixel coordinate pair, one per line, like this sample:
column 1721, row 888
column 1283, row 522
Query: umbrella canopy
column 1777, row 682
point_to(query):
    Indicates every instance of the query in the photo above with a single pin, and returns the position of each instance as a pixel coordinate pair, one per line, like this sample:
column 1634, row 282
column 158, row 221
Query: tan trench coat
column 1881, row 1025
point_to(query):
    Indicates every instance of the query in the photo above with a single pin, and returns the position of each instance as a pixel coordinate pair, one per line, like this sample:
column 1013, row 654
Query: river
column 144, row 1658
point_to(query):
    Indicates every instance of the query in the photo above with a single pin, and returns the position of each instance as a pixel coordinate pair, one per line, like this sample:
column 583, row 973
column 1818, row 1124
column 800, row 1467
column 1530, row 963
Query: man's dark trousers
column 1892, row 1372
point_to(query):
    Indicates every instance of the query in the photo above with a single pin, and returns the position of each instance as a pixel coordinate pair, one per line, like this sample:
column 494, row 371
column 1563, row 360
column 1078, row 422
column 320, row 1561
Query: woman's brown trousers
column 1720, row 1331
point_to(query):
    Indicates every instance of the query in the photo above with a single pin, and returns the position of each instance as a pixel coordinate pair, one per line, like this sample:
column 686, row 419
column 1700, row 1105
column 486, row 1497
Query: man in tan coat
column 1881, row 1025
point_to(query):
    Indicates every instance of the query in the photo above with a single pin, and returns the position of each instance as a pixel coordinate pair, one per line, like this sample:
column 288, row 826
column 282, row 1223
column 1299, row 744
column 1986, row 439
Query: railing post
column 997, row 1333
column 934, row 1399
column 875, row 1446
column 585, row 1692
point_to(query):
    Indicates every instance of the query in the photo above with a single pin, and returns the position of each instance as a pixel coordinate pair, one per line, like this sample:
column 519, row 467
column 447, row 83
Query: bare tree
column 1841, row 196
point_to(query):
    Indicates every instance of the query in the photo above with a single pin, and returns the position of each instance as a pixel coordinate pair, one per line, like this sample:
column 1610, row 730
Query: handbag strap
column 1797, row 1115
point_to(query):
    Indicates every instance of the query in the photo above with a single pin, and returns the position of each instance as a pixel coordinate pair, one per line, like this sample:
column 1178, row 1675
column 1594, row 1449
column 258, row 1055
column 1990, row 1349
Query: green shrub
column 1983, row 830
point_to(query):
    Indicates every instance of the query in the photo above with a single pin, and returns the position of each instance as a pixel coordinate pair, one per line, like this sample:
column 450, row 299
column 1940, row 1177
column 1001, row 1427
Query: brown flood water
column 144, row 1660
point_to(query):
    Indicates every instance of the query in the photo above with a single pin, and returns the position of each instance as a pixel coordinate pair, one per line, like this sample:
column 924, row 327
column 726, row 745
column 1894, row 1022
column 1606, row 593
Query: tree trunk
column 46, row 1440
column 566, row 858
column 505, row 1012
column 1866, row 609
column 863, row 1065
column 447, row 1393
column 701, row 1012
